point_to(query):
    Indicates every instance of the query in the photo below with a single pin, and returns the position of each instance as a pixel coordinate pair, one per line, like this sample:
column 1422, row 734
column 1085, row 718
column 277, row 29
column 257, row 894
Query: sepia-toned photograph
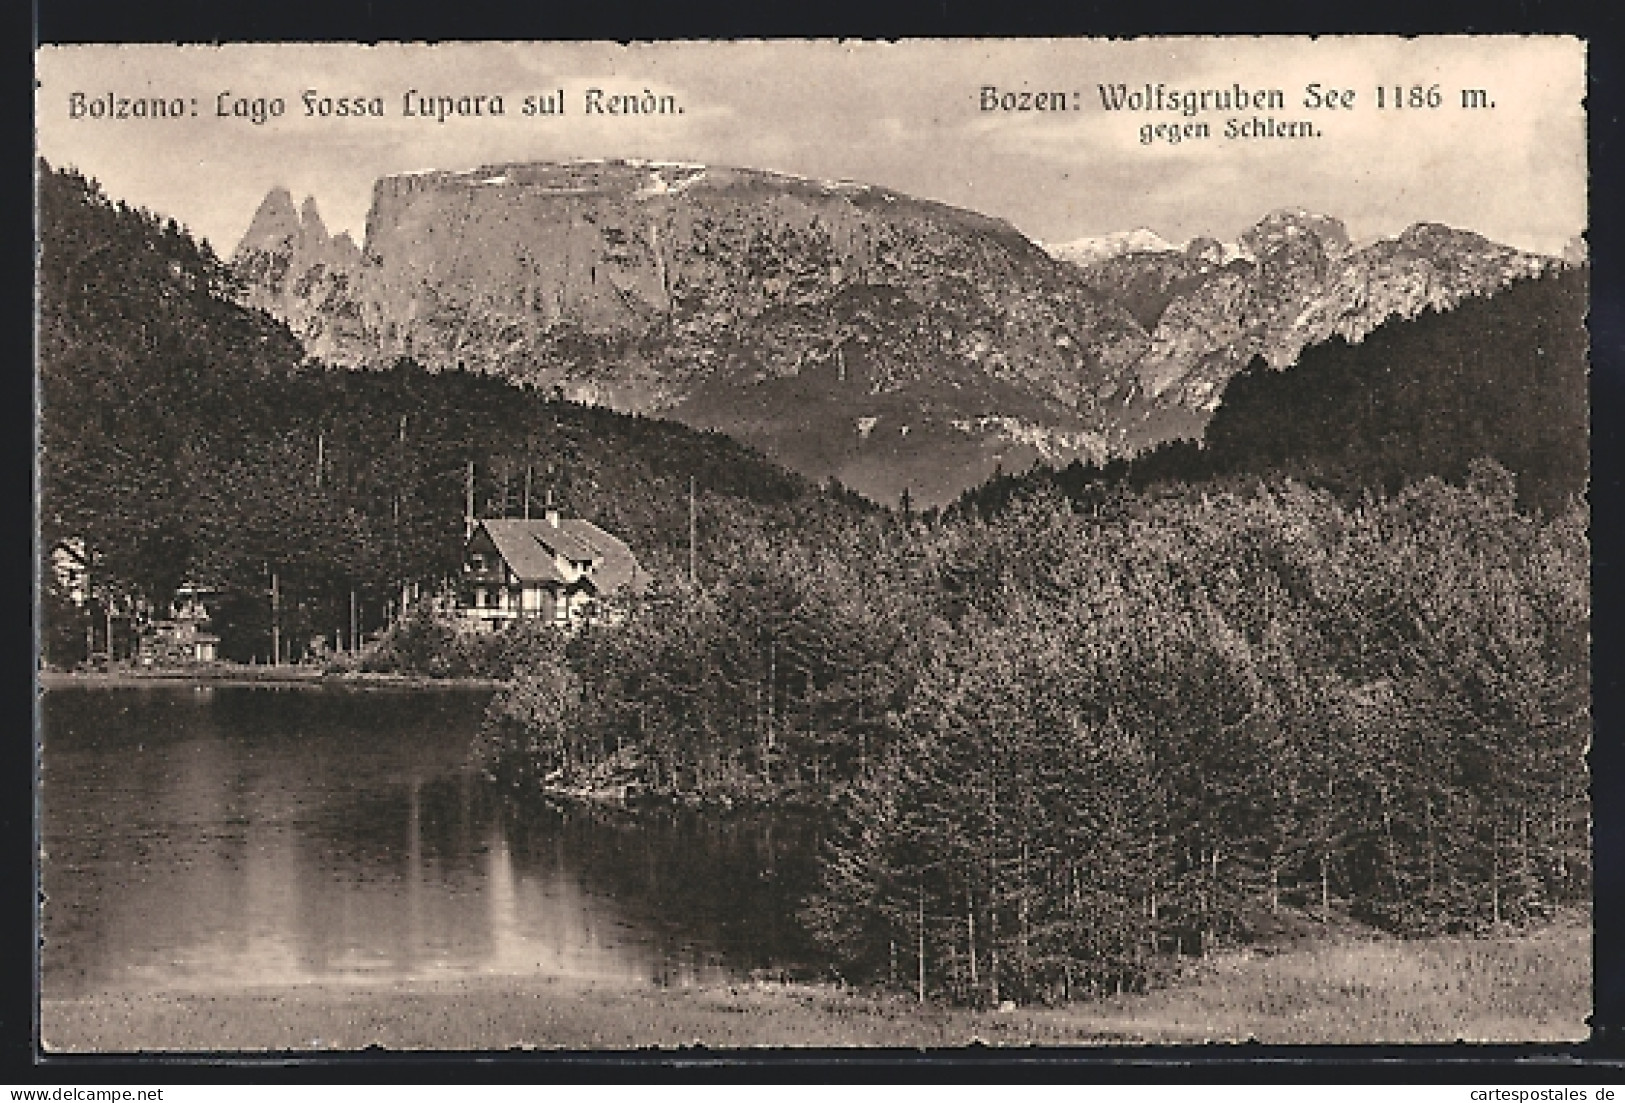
column 573, row 546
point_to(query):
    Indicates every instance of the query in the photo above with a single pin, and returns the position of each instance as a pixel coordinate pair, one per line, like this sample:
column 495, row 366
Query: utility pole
column 772, row 681
column 922, row 942
column 321, row 455
column 691, row 532
column 528, row 468
column 395, row 498
column 354, row 624
column 468, row 503
column 276, row 627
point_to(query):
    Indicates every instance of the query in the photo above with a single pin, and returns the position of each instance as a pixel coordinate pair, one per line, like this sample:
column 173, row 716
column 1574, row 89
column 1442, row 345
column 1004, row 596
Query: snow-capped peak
column 1093, row 250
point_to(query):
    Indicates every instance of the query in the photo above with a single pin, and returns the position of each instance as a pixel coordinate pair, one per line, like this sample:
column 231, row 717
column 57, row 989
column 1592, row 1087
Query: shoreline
column 1529, row 987
column 236, row 676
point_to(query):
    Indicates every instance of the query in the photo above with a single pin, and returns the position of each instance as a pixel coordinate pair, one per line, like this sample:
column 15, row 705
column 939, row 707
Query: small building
column 70, row 564
column 205, row 647
column 180, row 639
column 557, row 570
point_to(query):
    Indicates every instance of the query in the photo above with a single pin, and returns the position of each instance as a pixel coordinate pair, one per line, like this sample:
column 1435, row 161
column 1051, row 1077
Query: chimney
column 552, row 516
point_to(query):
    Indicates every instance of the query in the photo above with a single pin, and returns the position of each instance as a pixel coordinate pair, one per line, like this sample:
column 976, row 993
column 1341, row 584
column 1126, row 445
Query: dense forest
column 1332, row 666
column 1065, row 746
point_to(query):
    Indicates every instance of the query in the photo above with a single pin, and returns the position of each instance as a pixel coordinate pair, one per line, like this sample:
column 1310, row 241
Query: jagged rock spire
column 275, row 226
column 1282, row 225
column 310, row 222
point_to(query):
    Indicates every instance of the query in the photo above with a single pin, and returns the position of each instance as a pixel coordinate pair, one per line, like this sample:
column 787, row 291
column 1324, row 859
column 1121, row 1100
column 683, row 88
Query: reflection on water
column 236, row 836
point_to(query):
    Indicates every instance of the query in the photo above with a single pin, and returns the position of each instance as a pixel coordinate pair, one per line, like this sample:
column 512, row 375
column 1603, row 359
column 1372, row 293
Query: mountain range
column 847, row 330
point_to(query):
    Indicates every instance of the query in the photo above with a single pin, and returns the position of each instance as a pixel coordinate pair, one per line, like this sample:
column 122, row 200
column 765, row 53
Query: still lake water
column 202, row 838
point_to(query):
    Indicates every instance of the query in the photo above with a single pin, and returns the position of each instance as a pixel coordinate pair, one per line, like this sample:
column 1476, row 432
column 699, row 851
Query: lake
column 223, row 837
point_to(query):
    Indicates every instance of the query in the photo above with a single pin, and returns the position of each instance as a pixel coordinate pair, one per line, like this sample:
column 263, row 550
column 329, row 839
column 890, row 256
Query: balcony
column 484, row 576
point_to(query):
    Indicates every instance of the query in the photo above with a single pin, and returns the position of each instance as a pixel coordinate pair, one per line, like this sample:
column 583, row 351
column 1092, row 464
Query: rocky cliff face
column 845, row 329
column 1291, row 281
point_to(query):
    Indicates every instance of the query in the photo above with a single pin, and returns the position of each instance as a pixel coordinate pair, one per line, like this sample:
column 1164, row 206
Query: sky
column 908, row 116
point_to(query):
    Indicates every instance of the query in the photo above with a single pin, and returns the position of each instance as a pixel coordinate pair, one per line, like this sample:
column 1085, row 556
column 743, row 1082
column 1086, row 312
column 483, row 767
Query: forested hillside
column 1501, row 376
column 184, row 440
column 1062, row 748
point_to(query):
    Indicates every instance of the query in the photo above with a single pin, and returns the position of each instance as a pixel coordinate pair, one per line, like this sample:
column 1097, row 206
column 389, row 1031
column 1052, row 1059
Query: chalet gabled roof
column 531, row 548
column 74, row 548
column 529, row 558
column 614, row 567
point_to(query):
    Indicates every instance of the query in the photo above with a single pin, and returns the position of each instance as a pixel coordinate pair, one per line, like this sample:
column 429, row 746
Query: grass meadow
column 1346, row 987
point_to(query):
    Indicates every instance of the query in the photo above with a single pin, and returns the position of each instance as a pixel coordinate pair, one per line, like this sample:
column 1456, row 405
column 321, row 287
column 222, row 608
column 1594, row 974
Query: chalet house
column 557, row 570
